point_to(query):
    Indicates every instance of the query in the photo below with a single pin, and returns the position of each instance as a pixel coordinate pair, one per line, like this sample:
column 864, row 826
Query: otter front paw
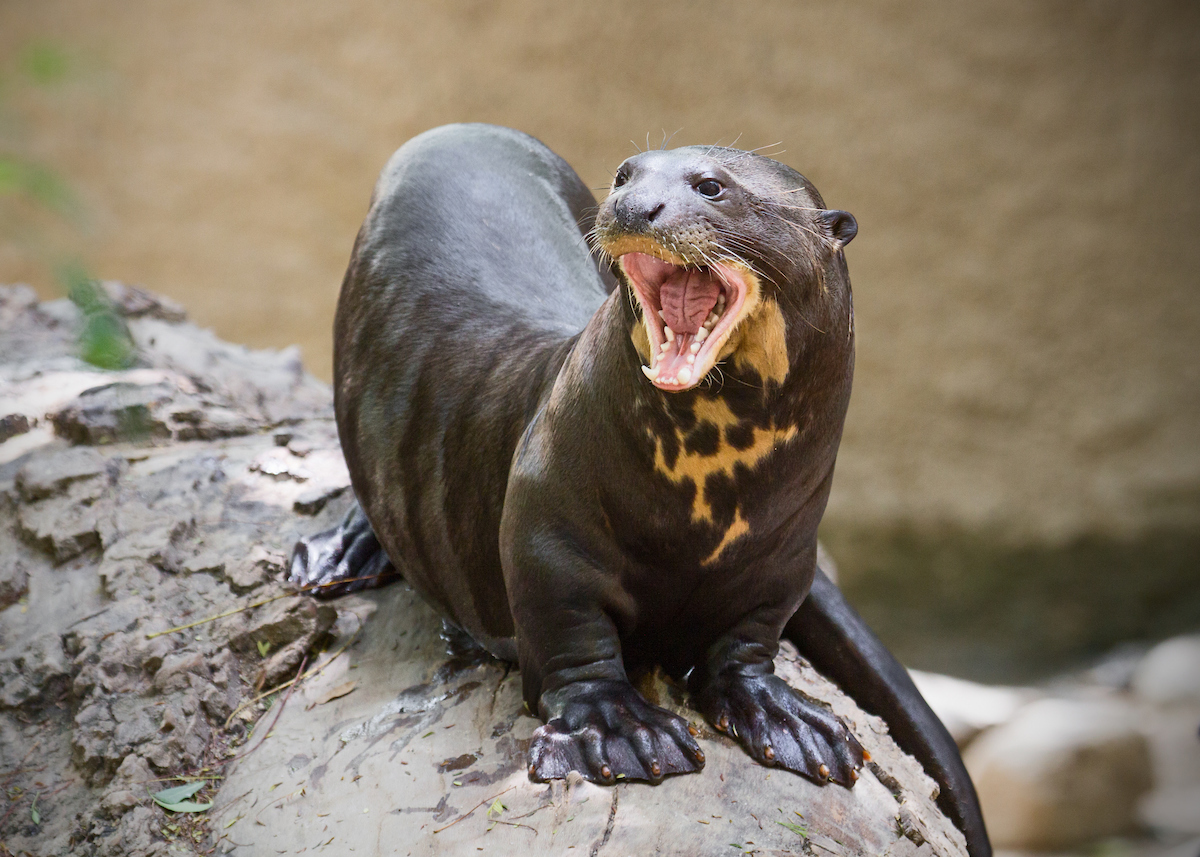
column 605, row 730
column 344, row 559
column 779, row 727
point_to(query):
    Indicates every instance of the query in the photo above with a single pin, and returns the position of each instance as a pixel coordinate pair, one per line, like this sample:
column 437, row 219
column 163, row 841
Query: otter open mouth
column 689, row 313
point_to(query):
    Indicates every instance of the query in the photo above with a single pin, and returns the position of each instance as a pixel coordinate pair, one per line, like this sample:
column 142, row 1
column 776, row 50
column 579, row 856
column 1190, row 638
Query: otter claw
column 604, row 730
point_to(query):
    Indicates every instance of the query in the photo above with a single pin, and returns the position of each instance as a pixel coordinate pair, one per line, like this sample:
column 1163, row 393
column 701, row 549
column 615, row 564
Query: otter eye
column 621, row 178
column 709, row 188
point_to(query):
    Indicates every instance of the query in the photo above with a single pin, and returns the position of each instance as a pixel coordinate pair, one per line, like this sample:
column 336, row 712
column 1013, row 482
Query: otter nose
column 636, row 212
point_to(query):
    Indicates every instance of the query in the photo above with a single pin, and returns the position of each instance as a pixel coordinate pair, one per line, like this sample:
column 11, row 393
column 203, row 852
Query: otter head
column 711, row 242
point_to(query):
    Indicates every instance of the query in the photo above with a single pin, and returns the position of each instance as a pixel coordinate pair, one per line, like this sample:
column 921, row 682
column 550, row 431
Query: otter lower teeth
column 702, row 334
column 685, row 375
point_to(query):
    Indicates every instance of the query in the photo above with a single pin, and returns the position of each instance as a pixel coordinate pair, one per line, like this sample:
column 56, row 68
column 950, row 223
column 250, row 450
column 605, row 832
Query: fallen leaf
column 178, row 793
column 336, row 692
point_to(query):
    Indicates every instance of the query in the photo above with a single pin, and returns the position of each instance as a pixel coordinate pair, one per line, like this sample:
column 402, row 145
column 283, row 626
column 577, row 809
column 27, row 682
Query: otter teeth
column 650, row 373
column 685, row 375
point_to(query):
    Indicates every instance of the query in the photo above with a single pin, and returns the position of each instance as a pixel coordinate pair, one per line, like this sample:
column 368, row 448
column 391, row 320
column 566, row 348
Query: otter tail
column 838, row 643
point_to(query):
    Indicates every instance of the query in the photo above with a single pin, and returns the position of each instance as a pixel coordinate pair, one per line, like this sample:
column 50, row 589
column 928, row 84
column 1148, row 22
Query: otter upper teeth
column 702, row 334
column 685, row 375
column 668, row 333
column 650, row 373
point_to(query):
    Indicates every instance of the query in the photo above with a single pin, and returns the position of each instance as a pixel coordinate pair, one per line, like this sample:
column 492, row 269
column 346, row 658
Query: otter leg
column 739, row 693
column 569, row 650
column 344, row 559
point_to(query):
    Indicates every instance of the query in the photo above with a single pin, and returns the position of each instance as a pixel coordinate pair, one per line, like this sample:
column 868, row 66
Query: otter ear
column 841, row 225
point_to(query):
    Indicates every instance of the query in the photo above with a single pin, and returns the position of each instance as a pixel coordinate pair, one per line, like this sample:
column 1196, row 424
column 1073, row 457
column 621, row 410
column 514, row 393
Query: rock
column 1175, row 810
column 147, row 535
column 1174, row 805
column 12, row 425
column 314, row 499
column 39, row 672
column 966, row 707
column 133, row 302
column 1060, row 773
column 115, row 412
column 253, row 570
column 429, row 750
column 51, row 475
column 282, row 665
column 173, row 673
column 282, row 622
column 64, row 526
column 14, row 580
column 1170, row 672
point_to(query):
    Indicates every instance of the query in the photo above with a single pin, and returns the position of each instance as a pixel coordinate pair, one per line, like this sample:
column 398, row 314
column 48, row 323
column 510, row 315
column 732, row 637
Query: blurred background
column 1018, row 490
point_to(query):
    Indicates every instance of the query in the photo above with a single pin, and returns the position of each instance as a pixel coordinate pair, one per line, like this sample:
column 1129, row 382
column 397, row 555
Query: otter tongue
column 687, row 297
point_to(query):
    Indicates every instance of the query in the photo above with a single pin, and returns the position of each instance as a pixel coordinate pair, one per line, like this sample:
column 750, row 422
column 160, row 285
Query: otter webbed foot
column 344, row 559
column 780, row 728
column 605, row 730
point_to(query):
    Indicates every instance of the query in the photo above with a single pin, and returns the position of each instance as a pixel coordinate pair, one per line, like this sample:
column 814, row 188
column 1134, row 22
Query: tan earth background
column 1019, row 483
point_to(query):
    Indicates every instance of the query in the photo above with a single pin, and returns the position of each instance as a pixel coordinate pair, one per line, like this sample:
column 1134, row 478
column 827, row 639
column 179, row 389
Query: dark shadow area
column 964, row 604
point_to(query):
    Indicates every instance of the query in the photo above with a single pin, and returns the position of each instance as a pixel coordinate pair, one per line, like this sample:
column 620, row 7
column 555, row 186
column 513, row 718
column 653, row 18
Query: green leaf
column 33, row 812
column 178, row 793
column 264, row 646
column 798, row 829
column 185, row 806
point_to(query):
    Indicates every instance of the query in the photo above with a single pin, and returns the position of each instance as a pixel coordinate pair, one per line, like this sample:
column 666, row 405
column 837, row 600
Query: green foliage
column 45, row 63
column 104, row 339
column 176, row 799
column 37, row 183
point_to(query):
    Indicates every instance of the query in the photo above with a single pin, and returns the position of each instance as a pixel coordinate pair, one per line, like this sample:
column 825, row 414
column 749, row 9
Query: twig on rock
column 289, row 682
column 245, row 607
column 472, row 809
column 278, row 713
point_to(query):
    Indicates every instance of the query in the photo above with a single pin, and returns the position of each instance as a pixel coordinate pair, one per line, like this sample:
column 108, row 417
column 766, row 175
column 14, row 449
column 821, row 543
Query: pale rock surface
column 967, row 707
column 1170, row 672
column 1062, row 772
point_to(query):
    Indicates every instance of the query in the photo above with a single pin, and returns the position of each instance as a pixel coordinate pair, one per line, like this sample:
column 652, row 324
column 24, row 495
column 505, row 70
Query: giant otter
column 595, row 460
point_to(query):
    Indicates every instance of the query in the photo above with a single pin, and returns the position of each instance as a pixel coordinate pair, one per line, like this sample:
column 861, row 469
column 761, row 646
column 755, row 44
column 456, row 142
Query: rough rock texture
column 136, row 506
column 415, row 758
column 114, row 527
